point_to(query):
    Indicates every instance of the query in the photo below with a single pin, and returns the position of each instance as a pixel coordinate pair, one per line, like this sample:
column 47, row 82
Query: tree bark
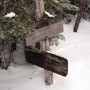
column 79, row 16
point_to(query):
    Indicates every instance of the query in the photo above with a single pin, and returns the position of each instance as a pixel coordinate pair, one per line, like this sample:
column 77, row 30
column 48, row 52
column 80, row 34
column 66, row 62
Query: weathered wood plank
column 42, row 23
column 47, row 61
column 43, row 32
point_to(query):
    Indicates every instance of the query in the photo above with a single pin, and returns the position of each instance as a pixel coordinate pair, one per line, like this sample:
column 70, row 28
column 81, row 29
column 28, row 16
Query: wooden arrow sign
column 47, row 61
column 43, row 30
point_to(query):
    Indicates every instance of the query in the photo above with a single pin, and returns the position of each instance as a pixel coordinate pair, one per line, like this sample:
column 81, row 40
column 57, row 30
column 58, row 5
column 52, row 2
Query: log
column 47, row 61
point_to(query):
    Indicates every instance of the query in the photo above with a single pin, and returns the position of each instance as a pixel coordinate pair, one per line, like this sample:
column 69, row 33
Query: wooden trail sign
column 47, row 61
column 44, row 30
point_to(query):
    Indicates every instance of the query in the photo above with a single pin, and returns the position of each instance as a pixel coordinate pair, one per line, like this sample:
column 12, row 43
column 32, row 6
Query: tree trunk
column 79, row 16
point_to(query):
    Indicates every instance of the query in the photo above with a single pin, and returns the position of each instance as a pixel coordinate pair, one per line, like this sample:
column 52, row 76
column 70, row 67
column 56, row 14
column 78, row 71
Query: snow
column 56, row 1
column 10, row 15
column 49, row 15
column 76, row 48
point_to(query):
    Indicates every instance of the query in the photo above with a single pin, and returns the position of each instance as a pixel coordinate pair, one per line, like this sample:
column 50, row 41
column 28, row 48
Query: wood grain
column 47, row 61
column 43, row 32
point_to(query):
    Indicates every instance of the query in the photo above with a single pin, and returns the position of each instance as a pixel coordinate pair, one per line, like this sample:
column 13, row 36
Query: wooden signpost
column 46, row 31
column 50, row 62
column 47, row 61
column 48, row 74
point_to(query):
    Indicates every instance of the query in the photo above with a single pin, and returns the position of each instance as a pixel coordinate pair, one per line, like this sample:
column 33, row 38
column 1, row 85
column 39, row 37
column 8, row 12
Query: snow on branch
column 10, row 15
column 48, row 14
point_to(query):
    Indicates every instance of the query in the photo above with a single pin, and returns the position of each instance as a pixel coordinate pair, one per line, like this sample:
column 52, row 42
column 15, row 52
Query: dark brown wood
column 47, row 61
column 47, row 31
column 79, row 16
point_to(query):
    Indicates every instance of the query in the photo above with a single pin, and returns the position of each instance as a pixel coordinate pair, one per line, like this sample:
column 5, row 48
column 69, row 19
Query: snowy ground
column 76, row 48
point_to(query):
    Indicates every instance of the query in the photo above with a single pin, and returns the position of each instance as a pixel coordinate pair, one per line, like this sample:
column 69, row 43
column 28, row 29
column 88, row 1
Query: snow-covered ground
column 76, row 48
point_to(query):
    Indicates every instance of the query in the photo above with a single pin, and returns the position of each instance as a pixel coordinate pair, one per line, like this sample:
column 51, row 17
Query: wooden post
column 44, row 44
column 48, row 74
column 39, row 9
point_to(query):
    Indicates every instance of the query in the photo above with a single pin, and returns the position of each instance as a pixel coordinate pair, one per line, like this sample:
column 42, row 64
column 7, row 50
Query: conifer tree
column 16, row 28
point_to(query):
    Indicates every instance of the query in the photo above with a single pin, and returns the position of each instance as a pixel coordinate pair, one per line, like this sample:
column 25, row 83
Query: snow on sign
column 47, row 61
column 43, row 30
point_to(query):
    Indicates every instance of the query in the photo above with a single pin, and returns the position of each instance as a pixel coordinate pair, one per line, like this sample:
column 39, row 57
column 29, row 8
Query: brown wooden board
column 45, row 31
column 47, row 61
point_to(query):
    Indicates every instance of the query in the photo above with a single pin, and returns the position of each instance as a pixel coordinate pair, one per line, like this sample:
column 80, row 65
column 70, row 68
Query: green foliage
column 86, row 13
column 14, row 27
column 47, row 19
column 59, row 7
column 68, row 6
column 54, row 40
column 12, row 31
column 25, row 9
